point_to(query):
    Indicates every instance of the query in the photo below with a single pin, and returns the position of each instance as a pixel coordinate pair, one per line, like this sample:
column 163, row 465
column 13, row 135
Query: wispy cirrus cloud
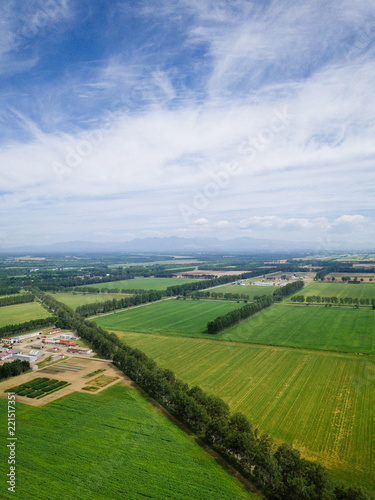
column 124, row 134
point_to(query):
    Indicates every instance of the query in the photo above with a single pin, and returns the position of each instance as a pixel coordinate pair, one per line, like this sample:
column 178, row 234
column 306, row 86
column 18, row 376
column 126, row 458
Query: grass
column 319, row 327
column 74, row 300
column 20, row 313
column 322, row 403
column 187, row 317
column 326, row 289
column 248, row 289
column 113, row 445
column 142, row 283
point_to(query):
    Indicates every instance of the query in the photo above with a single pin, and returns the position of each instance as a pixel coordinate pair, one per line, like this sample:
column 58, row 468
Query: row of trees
column 188, row 288
column 27, row 326
column 280, row 471
column 219, row 295
column 340, row 268
column 237, row 315
column 13, row 368
column 317, row 299
column 284, row 291
column 9, row 290
column 122, row 303
column 18, row 299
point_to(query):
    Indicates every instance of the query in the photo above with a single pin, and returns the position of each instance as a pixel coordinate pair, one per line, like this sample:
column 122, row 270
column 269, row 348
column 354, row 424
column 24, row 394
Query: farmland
column 333, row 328
column 118, row 446
column 142, row 283
column 340, row 290
column 250, row 290
column 172, row 316
column 38, row 388
column 20, row 313
column 322, row 403
column 74, row 300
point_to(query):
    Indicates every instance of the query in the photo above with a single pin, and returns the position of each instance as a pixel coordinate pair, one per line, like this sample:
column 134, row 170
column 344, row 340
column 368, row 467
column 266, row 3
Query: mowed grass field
column 322, row 403
column 319, row 327
column 250, row 290
column 20, row 313
column 172, row 316
column 113, row 445
column 143, row 283
column 360, row 290
column 75, row 300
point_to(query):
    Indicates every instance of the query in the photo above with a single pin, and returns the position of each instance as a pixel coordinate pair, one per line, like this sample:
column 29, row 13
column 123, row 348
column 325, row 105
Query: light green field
column 113, row 445
column 11, row 295
column 250, row 290
column 322, row 403
column 318, row 327
column 20, row 313
column 74, row 301
column 172, row 316
column 360, row 291
column 143, row 283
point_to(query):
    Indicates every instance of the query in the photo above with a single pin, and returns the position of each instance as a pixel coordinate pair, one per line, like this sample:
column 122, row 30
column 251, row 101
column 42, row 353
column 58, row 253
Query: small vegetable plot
column 39, row 387
column 98, row 383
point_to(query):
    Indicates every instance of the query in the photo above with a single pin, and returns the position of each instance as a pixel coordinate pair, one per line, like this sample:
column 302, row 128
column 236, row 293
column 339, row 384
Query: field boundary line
column 253, row 344
column 129, row 308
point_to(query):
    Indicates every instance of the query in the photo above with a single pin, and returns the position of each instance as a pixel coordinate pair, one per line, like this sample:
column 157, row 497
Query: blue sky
column 190, row 118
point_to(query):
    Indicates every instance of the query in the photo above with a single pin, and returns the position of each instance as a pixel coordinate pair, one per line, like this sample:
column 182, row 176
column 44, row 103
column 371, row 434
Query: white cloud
column 145, row 144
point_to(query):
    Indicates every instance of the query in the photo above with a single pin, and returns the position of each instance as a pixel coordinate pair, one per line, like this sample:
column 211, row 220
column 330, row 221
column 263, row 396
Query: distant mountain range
column 167, row 245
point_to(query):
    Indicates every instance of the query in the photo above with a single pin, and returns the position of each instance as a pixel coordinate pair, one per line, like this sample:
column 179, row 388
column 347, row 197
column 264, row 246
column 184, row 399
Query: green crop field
column 249, row 290
column 143, row 283
column 20, row 313
column 172, row 316
column 319, row 327
column 326, row 289
column 323, row 403
column 113, row 445
column 74, row 300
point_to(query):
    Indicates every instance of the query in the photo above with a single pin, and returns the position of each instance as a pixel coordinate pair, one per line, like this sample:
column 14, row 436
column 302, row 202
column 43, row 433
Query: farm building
column 10, row 341
column 5, row 355
column 58, row 357
column 55, row 330
column 80, row 350
column 67, row 343
column 25, row 357
column 19, row 338
column 36, row 353
column 67, row 336
column 50, row 341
